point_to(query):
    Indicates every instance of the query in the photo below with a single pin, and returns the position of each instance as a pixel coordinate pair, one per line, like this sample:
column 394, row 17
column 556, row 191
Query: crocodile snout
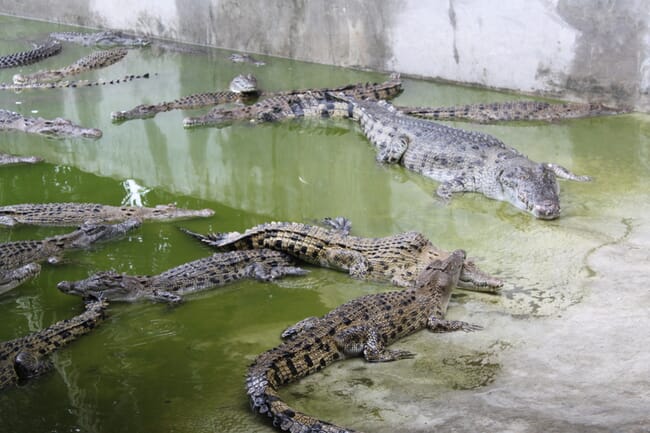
column 547, row 209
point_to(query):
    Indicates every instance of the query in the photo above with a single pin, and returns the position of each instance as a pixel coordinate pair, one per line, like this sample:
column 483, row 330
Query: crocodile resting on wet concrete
column 7, row 159
column 19, row 259
column 25, row 357
column 286, row 105
column 361, row 327
column 23, row 58
column 107, row 38
column 242, row 88
column 59, row 128
column 396, row 259
column 96, row 60
column 514, row 111
column 72, row 214
column 217, row 270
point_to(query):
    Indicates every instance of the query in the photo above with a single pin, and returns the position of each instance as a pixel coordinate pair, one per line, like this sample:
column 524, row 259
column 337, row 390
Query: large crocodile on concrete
column 96, row 60
column 514, row 111
column 49, row 48
column 361, row 327
column 57, row 128
column 25, row 357
column 464, row 161
column 72, row 214
column 217, row 270
column 107, row 38
column 17, row 258
column 286, row 104
column 242, row 88
column 396, row 259
column 7, row 159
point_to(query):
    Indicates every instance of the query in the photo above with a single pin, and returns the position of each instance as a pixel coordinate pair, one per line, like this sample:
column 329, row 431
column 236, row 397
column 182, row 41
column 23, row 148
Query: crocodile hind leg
column 391, row 152
column 366, row 341
column 303, row 325
column 441, row 325
column 446, row 189
column 339, row 223
column 564, row 173
column 353, row 261
column 28, row 365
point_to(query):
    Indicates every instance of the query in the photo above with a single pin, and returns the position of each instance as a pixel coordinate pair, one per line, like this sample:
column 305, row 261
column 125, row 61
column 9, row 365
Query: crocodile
column 464, row 161
column 58, row 127
column 364, row 326
column 242, row 88
column 96, row 60
column 396, row 259
column 72, row 214
column 286, row 104
column 245, row 58
column 514, row 111
column 24, row 358
column 65, row 84
column 7, row 159
column 217, row 270
column 40, row 52
column 107, row 38
column 18, row 254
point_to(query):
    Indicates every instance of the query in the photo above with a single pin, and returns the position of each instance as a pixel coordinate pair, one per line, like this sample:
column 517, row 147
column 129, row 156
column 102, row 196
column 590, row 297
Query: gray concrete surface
column 576, row 49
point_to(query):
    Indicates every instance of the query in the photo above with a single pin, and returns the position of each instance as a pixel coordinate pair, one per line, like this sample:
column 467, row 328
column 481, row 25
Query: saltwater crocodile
column 245, row 58
column 242, row 88
column 25, row 357
column 514, row 111
column 217, row 270
column 49, row 48
column 20, row 254
column 71, row 214
column 96, row 60
column 361, row 327
column 65, row 84
column 58, row 127
column 286, row 104
column 7, row 159
column 464, row 161
column 107, row 38
column 396, row 259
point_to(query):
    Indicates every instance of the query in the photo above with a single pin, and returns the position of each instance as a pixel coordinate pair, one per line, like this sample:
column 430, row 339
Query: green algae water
column 574, row 299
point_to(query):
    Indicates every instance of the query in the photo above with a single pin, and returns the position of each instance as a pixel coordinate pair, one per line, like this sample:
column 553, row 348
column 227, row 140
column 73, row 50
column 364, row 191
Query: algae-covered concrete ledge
column 574, row 49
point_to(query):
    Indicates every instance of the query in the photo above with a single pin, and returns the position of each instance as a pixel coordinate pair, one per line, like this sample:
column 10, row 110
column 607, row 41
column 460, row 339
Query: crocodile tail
column 212, row 239
column 265, row 400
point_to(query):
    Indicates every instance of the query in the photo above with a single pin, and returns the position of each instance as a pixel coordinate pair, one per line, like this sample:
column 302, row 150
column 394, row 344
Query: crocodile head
column 170, row 211
column 111, row 38
column 65, row 128
column 244, row 84
column 107, row 285
column 532, row 188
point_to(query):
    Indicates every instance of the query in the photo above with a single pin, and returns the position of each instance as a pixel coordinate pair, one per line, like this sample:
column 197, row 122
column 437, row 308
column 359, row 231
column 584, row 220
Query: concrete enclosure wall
column 579, row 49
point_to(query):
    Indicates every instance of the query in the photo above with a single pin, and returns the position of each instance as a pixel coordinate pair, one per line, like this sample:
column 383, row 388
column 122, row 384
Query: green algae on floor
column 156, row 368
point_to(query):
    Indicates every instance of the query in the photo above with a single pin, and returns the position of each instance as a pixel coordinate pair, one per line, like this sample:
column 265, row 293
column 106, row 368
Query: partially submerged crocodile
column 217, row 270
column 106, row 38
column 65, row 84
column 245, row 58
column 285, row 104
column 60, row 128
column 25, row 357
column 18, row 254
column 7, row 159
column 72, row 214
column 514, row 111
column 361, row 327
column 242, row 88
column 49, row 48
column 464, row 161
column 396, row 259
column 96, row 60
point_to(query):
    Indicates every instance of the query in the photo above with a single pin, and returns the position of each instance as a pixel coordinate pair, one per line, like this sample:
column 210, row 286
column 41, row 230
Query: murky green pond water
column 155, row 368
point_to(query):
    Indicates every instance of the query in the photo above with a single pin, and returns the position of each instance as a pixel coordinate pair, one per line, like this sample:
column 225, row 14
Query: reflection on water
column 158, row 368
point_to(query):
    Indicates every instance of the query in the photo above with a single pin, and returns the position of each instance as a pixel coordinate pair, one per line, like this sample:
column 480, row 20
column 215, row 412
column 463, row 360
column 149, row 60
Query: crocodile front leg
column 435, row 324
column 392, row 150
column 353, row 261
column 446, row 189
column 303, row 325
column 365, row 340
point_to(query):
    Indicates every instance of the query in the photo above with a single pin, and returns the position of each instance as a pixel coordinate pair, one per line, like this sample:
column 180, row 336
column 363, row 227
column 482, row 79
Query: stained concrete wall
column 578, row 49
